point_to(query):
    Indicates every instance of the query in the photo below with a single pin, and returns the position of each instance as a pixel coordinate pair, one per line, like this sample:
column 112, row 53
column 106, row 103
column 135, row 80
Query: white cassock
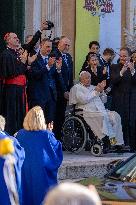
column 102, row 122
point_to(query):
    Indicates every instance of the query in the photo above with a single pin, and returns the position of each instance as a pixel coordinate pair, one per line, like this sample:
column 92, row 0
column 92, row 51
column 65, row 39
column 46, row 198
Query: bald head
column 12, row 40
column 64, row 44
column 85, row 78
column 72, row 194
column 28, row 38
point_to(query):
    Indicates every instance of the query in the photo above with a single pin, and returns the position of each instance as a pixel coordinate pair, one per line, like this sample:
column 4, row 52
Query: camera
column 54, row 54
column 50, row 25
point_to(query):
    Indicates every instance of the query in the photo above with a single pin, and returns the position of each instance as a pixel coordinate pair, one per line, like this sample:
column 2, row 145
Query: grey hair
column 71, row 194
column 2, row 123
column 27, row 37
column 83, row 73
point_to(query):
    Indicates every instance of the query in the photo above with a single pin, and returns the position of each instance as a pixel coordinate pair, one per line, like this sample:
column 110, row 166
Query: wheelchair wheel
column 96, row 150
column 74, row 135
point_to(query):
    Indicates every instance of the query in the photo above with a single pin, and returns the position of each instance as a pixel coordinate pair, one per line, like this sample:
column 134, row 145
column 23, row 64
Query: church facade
column 81, row 20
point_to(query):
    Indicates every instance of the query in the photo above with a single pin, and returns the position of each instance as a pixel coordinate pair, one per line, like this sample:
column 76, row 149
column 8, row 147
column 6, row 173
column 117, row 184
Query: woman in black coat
column 98, row 73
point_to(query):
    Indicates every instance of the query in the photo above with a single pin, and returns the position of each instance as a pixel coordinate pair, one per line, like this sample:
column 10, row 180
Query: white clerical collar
column 8, row 47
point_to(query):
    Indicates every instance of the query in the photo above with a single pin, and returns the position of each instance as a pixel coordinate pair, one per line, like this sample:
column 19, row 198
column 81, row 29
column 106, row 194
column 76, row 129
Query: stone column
column 51, row 10
column 69, row 22
column 36, row 15
column 123, row 20
column 32, row 16
column 62, row 14
column 131, row 16
column 29, row 5
column 131, row 23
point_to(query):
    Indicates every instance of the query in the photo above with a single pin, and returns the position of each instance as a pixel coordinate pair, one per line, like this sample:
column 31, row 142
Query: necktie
column 65, row 59
column 46, row 60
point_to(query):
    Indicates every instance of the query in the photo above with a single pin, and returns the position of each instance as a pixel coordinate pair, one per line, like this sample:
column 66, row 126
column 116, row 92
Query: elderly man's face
column 13, row 41
column 64, row 45
column 86, row 79
column 124, row 57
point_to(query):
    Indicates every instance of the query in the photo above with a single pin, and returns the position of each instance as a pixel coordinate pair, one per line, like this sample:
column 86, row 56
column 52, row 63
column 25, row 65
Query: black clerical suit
column 124, row 102
column 30, row 46
column 13, row 105
column 1, row 89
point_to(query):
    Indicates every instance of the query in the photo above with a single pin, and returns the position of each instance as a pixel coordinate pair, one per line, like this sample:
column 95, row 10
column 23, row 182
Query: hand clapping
column 100, row 87
column 31, row 59
column 104, row 70
column 131, row 66
column 50, row 126
column 59, row 63
column 51, row 61
column 127, row 65
column 23, row 57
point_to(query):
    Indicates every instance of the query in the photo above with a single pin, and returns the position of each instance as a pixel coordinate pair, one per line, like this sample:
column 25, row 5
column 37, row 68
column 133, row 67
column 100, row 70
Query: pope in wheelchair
column 90, row 116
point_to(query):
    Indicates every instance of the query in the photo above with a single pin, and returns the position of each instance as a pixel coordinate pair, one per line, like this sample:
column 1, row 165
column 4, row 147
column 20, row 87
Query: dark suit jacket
column 30, row 46
column 67, row 72
column 124, row 94
column 124, row 101
column 41, row 82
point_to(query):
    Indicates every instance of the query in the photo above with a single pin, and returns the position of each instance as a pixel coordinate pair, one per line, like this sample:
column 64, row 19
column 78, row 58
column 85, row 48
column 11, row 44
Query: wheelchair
column 77, row 135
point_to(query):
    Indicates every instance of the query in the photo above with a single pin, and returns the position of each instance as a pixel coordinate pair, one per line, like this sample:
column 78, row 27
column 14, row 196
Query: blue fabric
column 42, row 87
column 3, row 135
column 66, row 70
column 19, row 156
column 40, row 168
column 41, row 82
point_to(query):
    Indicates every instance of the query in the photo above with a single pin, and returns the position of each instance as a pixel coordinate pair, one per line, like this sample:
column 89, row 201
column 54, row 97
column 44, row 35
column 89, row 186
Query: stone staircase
column 84, row 165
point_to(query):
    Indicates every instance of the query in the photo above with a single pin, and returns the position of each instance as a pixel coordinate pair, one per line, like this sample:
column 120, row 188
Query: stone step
column 83, row 165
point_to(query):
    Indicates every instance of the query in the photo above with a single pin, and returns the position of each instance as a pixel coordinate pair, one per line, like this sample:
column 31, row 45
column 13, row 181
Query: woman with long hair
column 43, row 156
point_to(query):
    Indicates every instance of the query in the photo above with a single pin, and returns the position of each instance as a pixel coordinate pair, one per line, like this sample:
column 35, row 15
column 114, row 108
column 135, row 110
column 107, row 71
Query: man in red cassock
column 12, row 74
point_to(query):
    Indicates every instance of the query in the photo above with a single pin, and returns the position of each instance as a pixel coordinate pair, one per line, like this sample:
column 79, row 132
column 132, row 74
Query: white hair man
column 72, row 194
column 102, row 122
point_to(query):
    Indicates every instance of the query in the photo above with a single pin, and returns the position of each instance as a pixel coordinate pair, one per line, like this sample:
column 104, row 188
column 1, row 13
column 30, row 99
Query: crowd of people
column 36, row 85
column 29, row 165
column 31, row 76
column 29, row 162
column 120, row 85
column 41, row 74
